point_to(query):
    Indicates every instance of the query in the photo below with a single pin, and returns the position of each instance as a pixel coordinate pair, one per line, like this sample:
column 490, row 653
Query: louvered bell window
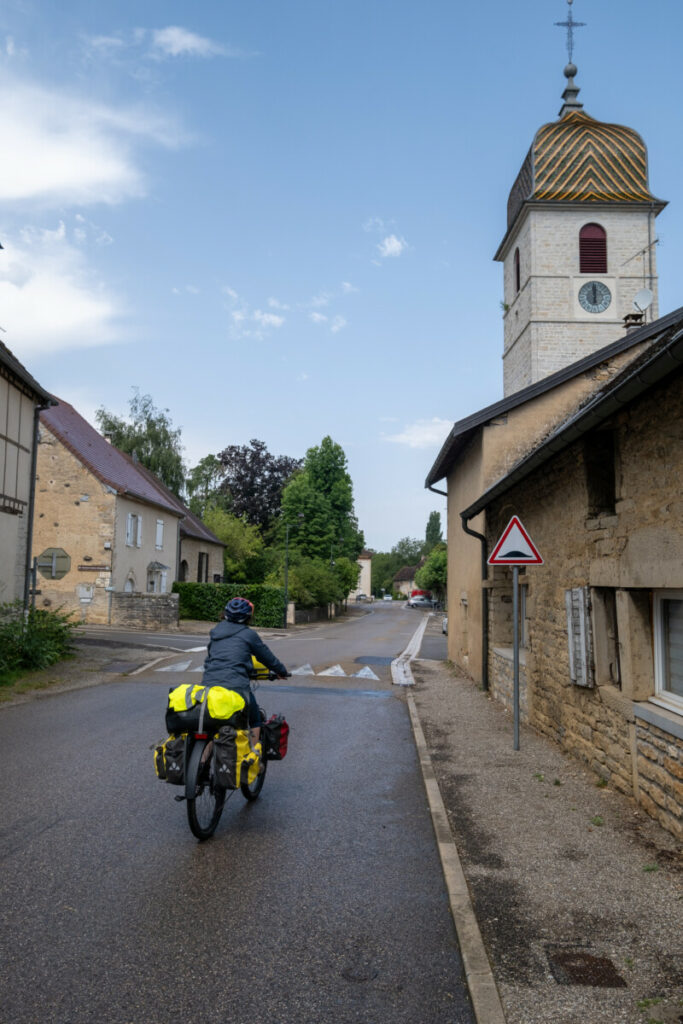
column 592, row 249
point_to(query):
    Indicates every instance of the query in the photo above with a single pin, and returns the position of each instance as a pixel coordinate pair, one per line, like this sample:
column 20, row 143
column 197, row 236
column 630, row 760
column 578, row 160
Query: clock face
column 595, row 297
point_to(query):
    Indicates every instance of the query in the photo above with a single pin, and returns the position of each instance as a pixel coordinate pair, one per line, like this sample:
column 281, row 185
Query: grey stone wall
column 145, row 611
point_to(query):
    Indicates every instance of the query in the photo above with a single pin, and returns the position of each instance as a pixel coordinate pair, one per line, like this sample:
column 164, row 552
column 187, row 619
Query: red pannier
column 275, row 736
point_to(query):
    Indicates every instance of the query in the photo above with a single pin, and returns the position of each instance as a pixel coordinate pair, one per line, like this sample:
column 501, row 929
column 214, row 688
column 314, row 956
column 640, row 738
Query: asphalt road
column 321, row 902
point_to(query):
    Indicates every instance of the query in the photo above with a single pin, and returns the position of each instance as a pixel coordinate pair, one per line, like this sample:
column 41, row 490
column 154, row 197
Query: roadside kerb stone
column 478, row 973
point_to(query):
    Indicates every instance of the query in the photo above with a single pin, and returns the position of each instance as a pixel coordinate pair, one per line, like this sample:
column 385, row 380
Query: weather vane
column 570, row 25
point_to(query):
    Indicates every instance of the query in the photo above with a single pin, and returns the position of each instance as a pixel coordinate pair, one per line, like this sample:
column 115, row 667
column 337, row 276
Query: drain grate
column 576, row 967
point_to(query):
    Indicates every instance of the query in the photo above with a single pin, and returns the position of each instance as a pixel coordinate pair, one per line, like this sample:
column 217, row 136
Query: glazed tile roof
column 579, row 159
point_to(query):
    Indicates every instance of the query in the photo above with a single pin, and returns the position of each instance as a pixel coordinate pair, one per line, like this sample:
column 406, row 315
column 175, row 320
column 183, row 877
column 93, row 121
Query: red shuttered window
column 592, row 249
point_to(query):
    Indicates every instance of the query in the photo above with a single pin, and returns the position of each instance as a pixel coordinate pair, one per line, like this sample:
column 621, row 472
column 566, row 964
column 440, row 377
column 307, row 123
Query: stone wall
column 545, row 327
column 502, row 684
column 145, row 611
column 630, row 554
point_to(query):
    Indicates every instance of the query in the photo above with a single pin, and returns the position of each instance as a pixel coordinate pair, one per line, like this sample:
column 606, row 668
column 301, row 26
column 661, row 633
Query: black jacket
column 228, row 660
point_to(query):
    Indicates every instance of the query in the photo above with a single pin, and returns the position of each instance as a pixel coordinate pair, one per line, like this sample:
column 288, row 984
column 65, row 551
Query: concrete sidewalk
column 578, row 894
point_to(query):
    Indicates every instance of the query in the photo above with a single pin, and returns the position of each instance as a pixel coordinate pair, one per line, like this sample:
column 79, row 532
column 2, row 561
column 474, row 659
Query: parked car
column 361, row 597
column 387, row 597
column 419, row 601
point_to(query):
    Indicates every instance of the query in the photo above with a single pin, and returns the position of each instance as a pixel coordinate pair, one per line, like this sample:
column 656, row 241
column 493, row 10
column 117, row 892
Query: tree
column 244, row 547
column 150, row 437
column 434, row 573
column 204, row 486
column 432, row 532
column 254, row 479
column 408, row 551
column 319, row 499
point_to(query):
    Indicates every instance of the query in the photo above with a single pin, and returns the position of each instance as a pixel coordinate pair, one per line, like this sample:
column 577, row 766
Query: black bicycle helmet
column 239, row 610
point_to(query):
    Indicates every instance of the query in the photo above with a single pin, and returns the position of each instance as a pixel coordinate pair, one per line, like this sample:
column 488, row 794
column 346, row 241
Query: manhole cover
column 373, row 659
column 576, row 967
column 121, row 666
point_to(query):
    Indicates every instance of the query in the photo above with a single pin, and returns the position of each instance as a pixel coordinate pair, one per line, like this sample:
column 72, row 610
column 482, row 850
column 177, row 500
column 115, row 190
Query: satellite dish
column 642, row 300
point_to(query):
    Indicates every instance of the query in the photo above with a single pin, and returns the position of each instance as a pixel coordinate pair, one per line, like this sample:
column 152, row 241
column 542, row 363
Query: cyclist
column 228, row 661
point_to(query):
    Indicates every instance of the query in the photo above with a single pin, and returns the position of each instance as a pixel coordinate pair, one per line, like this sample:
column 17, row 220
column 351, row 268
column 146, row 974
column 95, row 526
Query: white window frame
column 159, row 543
column 133, row 530
column 665, row 698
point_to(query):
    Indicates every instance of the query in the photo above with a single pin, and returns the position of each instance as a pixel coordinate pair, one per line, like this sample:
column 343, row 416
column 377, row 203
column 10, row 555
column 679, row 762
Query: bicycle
column 205, row 799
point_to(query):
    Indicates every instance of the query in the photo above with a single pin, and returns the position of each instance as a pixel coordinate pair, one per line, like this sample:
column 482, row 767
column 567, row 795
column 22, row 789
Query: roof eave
column 599, row 409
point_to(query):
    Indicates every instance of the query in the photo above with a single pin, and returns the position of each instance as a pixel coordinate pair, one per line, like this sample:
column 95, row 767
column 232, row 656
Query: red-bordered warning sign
column 515, row 547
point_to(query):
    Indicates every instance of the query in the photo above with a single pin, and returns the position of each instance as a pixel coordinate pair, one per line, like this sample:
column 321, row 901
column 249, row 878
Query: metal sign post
column 515, row 548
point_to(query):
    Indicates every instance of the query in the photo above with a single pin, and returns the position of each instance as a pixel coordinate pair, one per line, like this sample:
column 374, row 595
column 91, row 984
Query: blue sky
column 278, row 219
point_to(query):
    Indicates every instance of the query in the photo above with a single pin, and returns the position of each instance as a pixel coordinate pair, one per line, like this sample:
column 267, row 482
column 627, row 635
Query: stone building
column 601, row 621
column 570, row 289
column 107, row 532
column 365, row 576
column 21, row 399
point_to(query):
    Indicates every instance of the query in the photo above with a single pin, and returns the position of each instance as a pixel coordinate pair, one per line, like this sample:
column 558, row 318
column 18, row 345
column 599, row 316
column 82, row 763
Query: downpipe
column 484, row 604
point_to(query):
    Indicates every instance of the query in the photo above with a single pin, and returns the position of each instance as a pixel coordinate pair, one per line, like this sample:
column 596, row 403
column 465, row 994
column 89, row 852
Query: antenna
column 642, row 300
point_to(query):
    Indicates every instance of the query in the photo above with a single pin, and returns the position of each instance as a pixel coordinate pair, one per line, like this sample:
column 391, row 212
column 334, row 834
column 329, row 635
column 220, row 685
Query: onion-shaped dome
column 579, row 159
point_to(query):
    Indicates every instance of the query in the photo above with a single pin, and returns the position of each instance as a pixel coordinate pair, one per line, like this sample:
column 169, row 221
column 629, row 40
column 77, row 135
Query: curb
column 481, row 984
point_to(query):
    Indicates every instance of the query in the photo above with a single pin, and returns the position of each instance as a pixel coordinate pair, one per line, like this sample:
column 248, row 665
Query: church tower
column 580, row 241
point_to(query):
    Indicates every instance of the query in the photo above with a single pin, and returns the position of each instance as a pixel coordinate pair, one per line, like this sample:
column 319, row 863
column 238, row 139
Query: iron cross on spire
column 570, row 25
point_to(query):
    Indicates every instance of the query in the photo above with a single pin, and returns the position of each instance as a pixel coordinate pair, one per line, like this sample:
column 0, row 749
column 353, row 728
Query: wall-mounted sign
column 53, row 563
column 94, row 568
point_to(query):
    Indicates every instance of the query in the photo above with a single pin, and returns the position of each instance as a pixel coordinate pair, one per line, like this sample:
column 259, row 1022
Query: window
column 599, row 458
column 592, row 249
column 517, row 272
column 133, row 530
column 668, row 616
column 160, row 535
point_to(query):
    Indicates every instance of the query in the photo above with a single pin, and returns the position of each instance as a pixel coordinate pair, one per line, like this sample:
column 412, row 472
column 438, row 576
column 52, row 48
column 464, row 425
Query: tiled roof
column 106, row 462
column 579, row 159
column 191, row 525
column 406, row 573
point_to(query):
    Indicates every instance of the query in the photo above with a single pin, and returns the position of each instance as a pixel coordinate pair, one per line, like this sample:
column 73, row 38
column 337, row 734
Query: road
column 321, row 902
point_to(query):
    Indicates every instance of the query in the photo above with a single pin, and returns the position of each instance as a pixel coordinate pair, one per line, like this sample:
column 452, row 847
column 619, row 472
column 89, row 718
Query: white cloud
column 392, row 246
column 422, row 433
column 175, row 41
column 230, row 292
column 348, row 288
column 276, row 304
column 268, row 319
column 338, row 324
column 319, row 300
column 373, row 224
column 49, row 299
column 61, row 149
column 317, row 318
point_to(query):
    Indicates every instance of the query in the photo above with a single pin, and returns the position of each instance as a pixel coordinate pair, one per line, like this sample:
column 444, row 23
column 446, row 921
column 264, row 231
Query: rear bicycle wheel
column 205, row 806
column 251, row 790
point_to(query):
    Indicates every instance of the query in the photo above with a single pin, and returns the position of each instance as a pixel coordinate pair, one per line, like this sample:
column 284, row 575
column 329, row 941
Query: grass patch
column 650, row 867
column 597, row 820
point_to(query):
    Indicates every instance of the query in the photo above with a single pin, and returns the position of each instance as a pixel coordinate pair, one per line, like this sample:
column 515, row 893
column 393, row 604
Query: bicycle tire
column 204, row 809
column 252, row 791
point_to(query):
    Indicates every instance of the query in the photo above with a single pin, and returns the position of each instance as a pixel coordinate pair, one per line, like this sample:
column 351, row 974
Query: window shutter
column 580, row 636
column 129, row 528
column 592, row 249
column 138, row 539
column 160, row 534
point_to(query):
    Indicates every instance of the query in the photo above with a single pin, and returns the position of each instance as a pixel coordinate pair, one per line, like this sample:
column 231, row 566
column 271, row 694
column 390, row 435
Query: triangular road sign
column 515, row 547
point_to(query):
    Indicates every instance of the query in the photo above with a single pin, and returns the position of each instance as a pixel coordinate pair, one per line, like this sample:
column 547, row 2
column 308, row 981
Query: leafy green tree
column 433, row 532
column 254, row 479
column 434, row 573
column 150, row 437
column 244, row 548
column 319, row 501
column 408, row 551
column 203, row 485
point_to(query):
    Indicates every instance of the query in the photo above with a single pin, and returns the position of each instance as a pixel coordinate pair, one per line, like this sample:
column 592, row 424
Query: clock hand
column 595, row 295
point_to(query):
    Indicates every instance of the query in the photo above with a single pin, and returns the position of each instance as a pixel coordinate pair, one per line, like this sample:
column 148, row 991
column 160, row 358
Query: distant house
column 108, row 534
column 21, row 399
column 404, row 580
column 365, row 579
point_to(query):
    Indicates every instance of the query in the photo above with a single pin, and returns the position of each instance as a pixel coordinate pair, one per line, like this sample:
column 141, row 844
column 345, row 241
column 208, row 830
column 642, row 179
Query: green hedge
column 206, row 601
